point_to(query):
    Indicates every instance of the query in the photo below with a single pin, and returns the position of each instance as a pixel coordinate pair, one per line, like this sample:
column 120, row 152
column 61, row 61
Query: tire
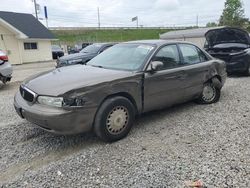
column 114, row 119
column 210, row 94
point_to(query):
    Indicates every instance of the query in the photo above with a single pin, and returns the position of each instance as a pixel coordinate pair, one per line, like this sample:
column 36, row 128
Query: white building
column 196, row 36
column 24, row 38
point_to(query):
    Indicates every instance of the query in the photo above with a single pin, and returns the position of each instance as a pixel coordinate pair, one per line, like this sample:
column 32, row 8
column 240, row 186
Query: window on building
column 30, row 45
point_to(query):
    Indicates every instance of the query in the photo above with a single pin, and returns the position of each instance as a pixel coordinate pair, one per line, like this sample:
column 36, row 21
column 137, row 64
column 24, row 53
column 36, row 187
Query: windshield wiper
column 99, row 66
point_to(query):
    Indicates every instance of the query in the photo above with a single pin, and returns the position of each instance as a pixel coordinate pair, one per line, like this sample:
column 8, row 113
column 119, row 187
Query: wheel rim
column 117, row 120
column 209, row 93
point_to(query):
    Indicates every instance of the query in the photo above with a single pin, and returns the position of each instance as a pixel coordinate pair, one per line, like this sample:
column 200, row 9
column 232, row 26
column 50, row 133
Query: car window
column 203, row 57
column 128, row 57
column 169, row 56
column 105, row 48
column 94, row 48
column 190, row 54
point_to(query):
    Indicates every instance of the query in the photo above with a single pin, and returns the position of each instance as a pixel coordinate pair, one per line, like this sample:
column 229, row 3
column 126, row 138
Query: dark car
column 231, row 45
column 126, row 80
column 56, row 51
column 84, row 55
column 85, row 44
column 78, row 48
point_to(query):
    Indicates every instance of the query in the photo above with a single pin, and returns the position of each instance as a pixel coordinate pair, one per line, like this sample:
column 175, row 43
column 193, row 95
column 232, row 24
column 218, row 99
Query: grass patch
column 71, row 37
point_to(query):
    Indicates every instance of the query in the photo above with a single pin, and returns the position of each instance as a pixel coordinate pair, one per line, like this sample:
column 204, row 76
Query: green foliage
column 211, row 24
column 115, row 35
column 233, row 14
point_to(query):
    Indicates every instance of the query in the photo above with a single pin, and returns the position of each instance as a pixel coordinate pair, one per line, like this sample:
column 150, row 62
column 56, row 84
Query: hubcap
column 117, row 120
column 209, row 93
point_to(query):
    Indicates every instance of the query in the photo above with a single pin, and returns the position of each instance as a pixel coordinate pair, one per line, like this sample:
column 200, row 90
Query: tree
column 233, row 14
column 211, row 24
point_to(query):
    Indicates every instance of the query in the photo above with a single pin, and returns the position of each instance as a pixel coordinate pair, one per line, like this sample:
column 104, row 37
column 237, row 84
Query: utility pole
column 98, row 13
column 35, row 8
column 197, row 20
column 137, row 22
column 46, row 16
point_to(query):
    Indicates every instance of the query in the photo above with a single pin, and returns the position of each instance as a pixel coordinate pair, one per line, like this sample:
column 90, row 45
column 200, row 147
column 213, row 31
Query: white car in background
column 5, row 68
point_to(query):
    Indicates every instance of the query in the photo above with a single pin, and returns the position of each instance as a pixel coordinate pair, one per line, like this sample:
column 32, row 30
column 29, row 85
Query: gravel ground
column 164, row 149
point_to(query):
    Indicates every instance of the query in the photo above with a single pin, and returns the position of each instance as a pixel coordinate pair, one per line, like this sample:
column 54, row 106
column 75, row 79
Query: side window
column 169, row 56
column 190, row 54
column 30, row 45
column 105, row 48
column 203, row 57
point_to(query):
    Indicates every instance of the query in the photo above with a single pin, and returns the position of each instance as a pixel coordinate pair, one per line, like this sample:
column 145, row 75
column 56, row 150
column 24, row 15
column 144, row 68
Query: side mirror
column 156, row 66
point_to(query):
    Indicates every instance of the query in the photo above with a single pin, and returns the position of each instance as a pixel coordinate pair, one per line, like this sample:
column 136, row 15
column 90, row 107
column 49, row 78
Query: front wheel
column 114, row 119
column 210, row 94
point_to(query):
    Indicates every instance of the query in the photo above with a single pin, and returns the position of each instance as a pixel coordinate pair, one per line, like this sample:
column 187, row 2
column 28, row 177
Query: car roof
column 104, row 43
column 157, row 42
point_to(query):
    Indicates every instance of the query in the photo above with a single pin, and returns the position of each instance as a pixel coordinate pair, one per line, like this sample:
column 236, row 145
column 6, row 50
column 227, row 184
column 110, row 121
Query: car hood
column 75, row 56
column 59, row 81
column 227, row 35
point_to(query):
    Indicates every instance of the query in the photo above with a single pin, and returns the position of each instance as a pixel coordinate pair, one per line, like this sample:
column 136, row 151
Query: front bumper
column 237, row 66
column 55, row 120
column 6, row 69
column 238, row 63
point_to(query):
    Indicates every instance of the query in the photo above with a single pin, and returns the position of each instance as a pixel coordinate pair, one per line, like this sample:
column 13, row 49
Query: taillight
column 4, row 58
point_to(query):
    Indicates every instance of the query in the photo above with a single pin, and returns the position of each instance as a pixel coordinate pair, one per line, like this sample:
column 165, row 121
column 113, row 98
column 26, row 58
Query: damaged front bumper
column 6, row 72
column 55, row 120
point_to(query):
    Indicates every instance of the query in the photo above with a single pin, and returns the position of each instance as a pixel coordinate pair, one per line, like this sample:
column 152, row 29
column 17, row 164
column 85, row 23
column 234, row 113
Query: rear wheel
column 210, row 94
column 114, row 119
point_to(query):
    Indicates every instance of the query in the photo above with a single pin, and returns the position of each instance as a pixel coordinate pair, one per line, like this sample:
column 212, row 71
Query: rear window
column 2, row 53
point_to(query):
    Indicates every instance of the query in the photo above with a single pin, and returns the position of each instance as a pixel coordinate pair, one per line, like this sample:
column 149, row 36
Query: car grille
column 224, row 57
column 27, row 94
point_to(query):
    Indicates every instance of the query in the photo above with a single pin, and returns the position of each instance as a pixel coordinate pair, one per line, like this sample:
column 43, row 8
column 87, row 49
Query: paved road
column 20, row 72
column 164, row 149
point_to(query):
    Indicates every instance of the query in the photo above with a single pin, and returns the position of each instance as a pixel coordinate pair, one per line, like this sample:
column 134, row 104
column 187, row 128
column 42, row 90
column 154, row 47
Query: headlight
column 74, row 61
column 50, row 101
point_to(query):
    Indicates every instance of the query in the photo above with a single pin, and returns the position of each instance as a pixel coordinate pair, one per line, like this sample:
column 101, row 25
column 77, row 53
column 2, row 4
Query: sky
column 118, row 13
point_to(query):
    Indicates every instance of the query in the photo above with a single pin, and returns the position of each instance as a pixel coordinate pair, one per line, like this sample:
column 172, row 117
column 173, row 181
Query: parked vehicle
column 85, row 44
column 77, row 48
column 5, row 68
column 84, row 55
column 126, row 80
column 56, row 51
column 74, row 50
column 231, row 45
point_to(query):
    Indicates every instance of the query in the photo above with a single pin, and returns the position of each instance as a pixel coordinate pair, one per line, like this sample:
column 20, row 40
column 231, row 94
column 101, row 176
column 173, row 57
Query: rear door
column 196, row 66
column 166, row 86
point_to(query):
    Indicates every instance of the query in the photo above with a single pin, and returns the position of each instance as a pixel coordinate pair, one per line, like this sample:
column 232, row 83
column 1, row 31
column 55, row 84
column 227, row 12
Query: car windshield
column 55, row 47
column 123, row 57
column 94, row 48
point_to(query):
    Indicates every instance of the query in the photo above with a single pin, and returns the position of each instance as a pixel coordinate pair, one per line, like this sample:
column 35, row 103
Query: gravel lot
column 164, row 149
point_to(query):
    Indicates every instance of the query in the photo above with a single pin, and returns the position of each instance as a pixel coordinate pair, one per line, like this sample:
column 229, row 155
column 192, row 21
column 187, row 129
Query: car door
column 196, row 66
column 164, row 87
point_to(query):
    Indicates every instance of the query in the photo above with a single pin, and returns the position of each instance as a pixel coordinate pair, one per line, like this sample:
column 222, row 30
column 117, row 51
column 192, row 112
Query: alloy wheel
column 209, row 93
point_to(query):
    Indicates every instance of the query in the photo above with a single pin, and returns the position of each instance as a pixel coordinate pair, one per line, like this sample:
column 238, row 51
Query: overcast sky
column 162, row 13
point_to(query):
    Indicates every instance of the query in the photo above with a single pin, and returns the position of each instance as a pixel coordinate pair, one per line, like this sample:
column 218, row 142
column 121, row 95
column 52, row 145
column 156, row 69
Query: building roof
column 27, row 24
column 188, row 33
